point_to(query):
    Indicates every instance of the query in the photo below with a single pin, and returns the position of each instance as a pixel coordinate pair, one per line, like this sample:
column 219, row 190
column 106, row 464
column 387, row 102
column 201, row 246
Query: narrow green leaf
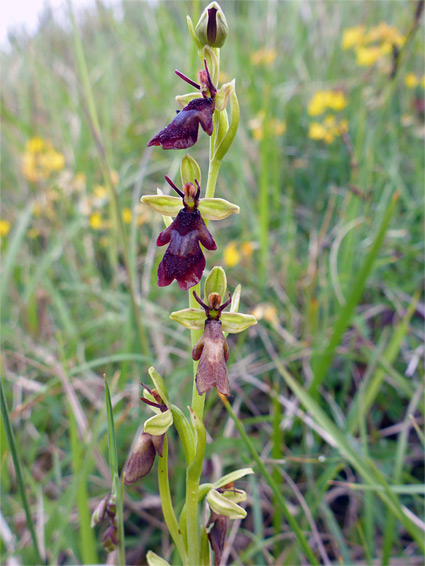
column 16, row 462
column 88, row 542
column 324, row 361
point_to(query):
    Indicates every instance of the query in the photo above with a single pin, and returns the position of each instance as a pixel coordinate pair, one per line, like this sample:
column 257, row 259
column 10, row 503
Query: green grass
column 328, row 388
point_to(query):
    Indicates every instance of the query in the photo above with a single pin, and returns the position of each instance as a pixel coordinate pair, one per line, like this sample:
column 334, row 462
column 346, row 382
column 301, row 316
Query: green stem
column 167, row 506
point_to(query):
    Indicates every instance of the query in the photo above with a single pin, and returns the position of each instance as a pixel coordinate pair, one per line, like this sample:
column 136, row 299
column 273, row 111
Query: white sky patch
column 25, row 14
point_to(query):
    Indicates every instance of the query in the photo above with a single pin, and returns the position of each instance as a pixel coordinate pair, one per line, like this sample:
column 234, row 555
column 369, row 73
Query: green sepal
column 223, row 94
column 212, row 62
column 192, row 32
column 221, row 127
column 164, row 204
column 224, row 506
column 234, row 322
column 217, row 208
column 155, row 560
column 160, row 386
column 194, row 319
column 236, row 495
column 216, row 282
column 233, row 476
column 190, row 170
column 150, row 397
column 236, row 297
column 185, row 433
column 159, row 424
column 226, row 142
column 184, row 99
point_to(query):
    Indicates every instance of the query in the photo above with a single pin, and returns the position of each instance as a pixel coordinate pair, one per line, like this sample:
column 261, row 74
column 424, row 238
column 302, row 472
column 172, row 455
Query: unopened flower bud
column 106, row 508
column 110, row 537
column 212, row 28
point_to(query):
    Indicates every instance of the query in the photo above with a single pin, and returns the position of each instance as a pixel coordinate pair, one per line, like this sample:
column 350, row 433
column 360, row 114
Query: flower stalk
column 209, row 318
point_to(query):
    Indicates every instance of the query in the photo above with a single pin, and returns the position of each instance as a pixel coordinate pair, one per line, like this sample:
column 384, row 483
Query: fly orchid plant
column 184, row 261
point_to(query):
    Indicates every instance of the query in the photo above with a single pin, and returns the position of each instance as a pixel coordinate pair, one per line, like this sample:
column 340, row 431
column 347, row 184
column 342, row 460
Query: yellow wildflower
column 263, row 56
column 247, row 249
column 52, row 160
column 231, row 255
column 40, row 159
column 411, row 80
column 104, row 242
column 100, row 191
column 336, row 100
column 324, row 99
column 126, row 215
column 35, row 145
column 423, row 82
column 4, row 228
column 385, row 33
column 328, row 130
column 96, row 221
column 353, row 37
column 318, row 103
column 368, row 56
column 316, row 131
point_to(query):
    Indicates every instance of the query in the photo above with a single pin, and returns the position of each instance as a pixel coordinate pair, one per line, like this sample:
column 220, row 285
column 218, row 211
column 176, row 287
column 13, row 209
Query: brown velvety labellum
column 212, row 352
column 184, row 260
column 182, row 132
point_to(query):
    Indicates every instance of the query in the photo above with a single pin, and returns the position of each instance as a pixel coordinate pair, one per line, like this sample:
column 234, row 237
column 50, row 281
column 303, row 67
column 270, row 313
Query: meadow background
column 327, row 168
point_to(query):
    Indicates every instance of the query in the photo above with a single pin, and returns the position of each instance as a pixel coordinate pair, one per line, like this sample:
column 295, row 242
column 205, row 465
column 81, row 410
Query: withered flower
column 143, row 456
column 184, row 260
column 211, row 349
column 107, row 509
column 146, row 448
column 182, row 131
column 217, row 534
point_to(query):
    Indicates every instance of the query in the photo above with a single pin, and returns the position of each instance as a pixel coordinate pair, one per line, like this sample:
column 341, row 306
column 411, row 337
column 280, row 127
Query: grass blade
column 16, row 463
column 364, row 467
column 324, row 361
column 276, row 491
column 88, row 542
column 113, row 462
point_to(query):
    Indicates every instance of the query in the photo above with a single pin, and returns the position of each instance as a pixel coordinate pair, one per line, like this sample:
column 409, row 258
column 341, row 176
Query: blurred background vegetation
column 327, row 168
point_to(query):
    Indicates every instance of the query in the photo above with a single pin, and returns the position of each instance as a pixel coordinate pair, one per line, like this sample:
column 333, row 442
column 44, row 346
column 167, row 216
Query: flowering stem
column 193, row 475
column 167, row 506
